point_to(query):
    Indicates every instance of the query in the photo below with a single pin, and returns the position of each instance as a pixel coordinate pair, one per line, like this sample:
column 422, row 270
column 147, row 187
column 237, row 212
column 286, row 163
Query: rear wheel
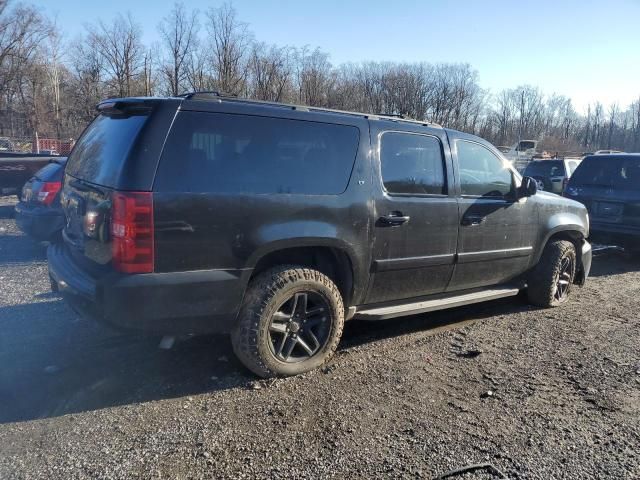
column 550, row 281
column 291, row 322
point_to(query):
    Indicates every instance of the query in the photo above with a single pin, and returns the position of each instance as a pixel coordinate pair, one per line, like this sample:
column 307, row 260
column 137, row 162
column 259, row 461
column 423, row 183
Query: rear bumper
column 165, row 303
column 42, row 223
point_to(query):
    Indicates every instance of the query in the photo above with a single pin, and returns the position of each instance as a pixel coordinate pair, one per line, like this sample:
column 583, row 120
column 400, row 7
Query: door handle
column 394, row 219
column 472, row 220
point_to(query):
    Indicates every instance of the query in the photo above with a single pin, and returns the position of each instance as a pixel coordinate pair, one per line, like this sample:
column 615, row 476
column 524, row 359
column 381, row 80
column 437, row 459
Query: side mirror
column 528, row 188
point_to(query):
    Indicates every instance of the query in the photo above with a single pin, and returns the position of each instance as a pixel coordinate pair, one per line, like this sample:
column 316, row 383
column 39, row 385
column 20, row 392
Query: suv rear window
column 230, row 153
column 101, row 151
column 545, row 168
column 605, row 171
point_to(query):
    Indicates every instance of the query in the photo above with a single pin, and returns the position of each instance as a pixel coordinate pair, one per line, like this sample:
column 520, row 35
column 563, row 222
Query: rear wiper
column 85, row 187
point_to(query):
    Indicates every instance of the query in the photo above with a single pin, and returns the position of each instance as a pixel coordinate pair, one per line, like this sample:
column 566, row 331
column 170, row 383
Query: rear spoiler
column 126, row 106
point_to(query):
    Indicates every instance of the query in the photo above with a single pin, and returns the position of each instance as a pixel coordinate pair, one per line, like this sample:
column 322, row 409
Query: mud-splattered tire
column 551, row 280
column 291, row 322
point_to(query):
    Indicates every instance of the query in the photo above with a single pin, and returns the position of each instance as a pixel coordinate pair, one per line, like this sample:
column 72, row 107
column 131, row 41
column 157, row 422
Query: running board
column 382, row 313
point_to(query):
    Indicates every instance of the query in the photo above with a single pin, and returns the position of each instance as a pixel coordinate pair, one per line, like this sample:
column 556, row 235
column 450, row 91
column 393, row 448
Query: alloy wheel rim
column 300, row 328
column 563, row 282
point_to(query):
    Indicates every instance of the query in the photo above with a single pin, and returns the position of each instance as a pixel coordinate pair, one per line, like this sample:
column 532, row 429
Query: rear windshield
column 102, row 149
column 545, row 168
column 611, row 172
column 229, row 153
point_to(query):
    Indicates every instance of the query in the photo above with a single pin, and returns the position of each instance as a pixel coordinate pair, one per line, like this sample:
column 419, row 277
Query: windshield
column 618, row 172
column 99, row 155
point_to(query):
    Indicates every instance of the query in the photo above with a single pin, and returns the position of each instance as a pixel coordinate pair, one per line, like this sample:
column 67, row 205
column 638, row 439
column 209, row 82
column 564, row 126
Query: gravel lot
column 405, row 398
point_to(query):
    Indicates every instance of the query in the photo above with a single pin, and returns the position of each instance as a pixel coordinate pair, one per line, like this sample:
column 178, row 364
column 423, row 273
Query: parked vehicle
column 6, row 145
column 17, row 168
column 39, row 213
column 609, row 186
column 276, row 223
column 551, row 175
column 522, row 150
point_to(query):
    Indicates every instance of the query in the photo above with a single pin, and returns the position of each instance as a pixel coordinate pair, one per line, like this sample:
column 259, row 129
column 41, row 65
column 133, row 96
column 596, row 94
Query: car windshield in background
column 103, row 148
column 545, row 168
column 617, row 172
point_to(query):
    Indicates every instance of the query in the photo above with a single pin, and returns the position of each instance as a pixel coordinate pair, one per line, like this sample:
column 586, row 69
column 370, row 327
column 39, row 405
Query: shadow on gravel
column 359, row 332
column 52, row 362
column 17, row 249
column 7, row 211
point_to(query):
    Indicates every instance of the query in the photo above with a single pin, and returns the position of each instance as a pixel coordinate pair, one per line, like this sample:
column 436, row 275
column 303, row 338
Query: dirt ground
column 539, row 394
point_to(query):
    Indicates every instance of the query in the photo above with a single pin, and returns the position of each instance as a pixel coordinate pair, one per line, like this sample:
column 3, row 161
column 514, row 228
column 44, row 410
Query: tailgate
column 87, row 210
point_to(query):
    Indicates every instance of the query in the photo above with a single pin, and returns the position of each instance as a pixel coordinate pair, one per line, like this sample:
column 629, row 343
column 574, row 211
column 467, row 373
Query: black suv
column 609, row 186
column 276, row 223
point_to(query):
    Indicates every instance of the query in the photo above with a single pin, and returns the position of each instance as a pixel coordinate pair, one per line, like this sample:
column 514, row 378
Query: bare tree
column 179, row 34
column 120, row 46
column 230, row 41
column 270, row 69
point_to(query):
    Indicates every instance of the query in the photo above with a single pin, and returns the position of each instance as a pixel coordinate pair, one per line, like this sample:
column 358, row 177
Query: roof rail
column 206, row 94
column 394, row 115
column 306, row 108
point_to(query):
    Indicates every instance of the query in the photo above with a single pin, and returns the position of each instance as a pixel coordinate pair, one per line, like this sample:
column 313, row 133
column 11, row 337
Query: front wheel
column 291, row 322
column 550, row 281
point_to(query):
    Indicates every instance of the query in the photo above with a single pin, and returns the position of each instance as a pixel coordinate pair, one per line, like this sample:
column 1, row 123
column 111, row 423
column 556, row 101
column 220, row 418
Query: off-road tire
column 250, row 337
column 542, row 283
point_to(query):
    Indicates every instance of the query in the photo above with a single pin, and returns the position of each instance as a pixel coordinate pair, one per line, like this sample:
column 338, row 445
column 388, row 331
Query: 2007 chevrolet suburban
column 275, row 223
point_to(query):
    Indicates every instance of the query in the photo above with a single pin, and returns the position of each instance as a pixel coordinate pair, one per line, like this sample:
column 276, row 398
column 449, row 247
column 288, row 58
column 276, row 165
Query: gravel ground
column 539, row 394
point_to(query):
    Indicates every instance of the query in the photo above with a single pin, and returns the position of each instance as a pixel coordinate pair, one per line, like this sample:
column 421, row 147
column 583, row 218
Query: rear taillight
column 48, row 192
column 132, row 231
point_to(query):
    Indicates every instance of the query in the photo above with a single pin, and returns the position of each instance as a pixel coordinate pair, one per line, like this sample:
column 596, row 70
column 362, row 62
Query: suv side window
column 412, row 164
column 482, row 173
column 231, row 153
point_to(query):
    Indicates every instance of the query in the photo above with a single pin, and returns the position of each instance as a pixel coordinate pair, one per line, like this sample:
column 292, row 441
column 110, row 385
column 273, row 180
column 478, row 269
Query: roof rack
column 207, row 95
column 394, row 115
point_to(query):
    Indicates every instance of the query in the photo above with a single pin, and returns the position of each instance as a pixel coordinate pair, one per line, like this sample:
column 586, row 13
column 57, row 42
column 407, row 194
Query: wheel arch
column 330, row 258
column 574, row 234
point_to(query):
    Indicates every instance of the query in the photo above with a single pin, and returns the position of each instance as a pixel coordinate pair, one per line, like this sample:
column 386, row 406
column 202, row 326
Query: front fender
column 574, row 224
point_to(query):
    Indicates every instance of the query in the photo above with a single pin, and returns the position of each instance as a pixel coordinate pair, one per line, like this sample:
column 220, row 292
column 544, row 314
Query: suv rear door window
column 481, row 172
column 412, row 164
column 101, row 151
column 230, row 153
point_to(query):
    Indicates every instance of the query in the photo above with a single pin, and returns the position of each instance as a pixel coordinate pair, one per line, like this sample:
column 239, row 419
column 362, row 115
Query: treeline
column 51, row 85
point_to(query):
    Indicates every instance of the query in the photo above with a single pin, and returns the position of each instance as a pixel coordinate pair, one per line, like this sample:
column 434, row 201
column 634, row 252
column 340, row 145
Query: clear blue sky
column 587, row 50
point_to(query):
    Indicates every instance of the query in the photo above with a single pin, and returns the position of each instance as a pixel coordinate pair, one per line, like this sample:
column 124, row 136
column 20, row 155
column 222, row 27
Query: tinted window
column 103, row 148
column 605, row 171
column 215, row 152
column 481, row 172
column 412, row 164
column 545, row 168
